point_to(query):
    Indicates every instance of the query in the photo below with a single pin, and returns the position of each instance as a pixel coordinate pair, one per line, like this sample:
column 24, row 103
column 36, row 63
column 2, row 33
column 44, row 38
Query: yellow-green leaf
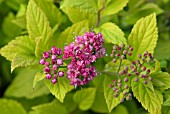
column 112, row 33
column 151, row 101
column 144, row 36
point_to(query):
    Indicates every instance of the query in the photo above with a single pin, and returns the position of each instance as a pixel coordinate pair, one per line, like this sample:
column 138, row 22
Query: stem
column 62, row 66
column 119, row 67
column 98, row 21
column 108, row 73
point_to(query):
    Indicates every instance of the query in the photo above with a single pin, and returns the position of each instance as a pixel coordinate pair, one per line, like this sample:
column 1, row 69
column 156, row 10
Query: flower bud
column 139, row 56
column 144, row 68
column 53, row 57
column 145, row 82
column 129, row 53
column 136, row 79
column 119, row 84
column 124, row 93
column 122, row 57
column 54, row 81
column 125, row 52
column 150, row 78
column 114, row 60
column 42, row 61
column 60, row 73
column 111, row 55
column 125, row 79
column 119, row 80
column 59, row 61
column 48, row 76
column 118, row 48
column 122, row 45
column 148, row 71
column 116, row 95
column 131, row 49
column 114, row 89
column 126, row 87
column 46, row 55
column 114, row 47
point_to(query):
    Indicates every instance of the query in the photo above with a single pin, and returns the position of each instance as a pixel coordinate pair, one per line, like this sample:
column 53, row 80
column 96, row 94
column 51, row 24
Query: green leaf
column 50, row 108
column 167, row 102
column 161, row 79
column 99, row 104
column 109, row 94
column 38, row 26
column 23, row 60
column 112, row 33
column 60, row 89
column 150, row 100
column 55, row 16
column 82, row 5
column 67, row 35
column 11, row 107
column 162, row 50
column 20, row 22
column 75, row 15
column 38, row 77
column 85, row 98
column 9, row 28
column 144, row 36
column 113, row 67
column 120, row 109
column 151, row 7
column 69, row 104
column 113, row 7
column 21, row 86
column 22, row 44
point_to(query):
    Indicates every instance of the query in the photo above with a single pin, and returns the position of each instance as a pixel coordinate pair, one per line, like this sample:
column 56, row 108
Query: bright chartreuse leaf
column 144, row 36
column 161, row 79
column 38, row 77
column 38, row 26
column 83, row 5
column 21, row 86
column 60, row 89
column 111, row 101
column 85, row 98
column 49, row 108
column 11, row 107
column 69, row 34
column 75, row 15
column 55, row 16
column 113, row 7
column 112, row 33
column 151, row 101
column 113, row 67
column 23, row 60
column 167, row 102
column 22, row 44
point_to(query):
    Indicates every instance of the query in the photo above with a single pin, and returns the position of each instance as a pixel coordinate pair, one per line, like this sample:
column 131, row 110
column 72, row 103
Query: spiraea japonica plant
column 97, row 67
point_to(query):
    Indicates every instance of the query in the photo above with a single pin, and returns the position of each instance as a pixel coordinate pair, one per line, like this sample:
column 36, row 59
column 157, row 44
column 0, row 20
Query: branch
column 98, row 21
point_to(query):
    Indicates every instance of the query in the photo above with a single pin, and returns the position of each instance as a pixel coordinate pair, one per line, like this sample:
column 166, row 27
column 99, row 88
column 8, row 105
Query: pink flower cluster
column 52, row 62
column 83, row 52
